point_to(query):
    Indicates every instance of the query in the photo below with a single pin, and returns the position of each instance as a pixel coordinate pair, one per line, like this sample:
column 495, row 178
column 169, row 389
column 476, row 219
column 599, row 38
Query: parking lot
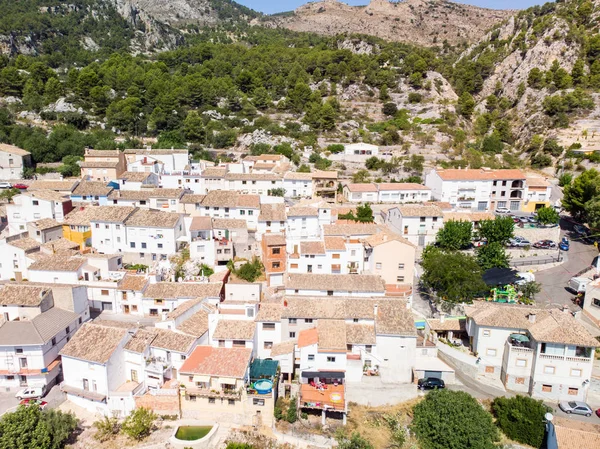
column 8, row 402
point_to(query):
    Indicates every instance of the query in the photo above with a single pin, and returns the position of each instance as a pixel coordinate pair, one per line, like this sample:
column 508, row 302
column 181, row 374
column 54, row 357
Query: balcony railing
column 551, row 357
column 208, row 393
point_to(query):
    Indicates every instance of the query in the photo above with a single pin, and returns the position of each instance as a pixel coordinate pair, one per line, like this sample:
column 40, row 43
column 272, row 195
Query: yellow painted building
column 79, row 234
column 537, row 193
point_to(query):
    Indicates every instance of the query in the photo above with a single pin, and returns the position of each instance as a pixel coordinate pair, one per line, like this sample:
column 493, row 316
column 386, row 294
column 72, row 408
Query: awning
column 324, row 374
column 204, row 379
column 227, row 380
column 520, row 337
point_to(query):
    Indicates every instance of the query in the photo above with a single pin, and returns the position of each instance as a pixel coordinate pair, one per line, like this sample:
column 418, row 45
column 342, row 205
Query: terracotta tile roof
column 229, row 223
column 229, row 198
column 57, row 262
column 449, row 324
column 234, row 330
column 420, row 210
column 6, row 148
column 360, row 334
column 171, row 290
column 63, row 186
column 350, row 229
column 99, row 164
column 266, row 157
column 537, row 181
column 401, row 186
column 274, row 239
column 294, row 175
column 144, row 218
column 550, row 326
column 272, row 212
column 103, row 153
column 445, row 206
column 135, row 176
column 184, row 307
column 60, row 245
column 150, row 152
column 22, row 295
column 481, row 174
column 102, row 214
column 308, row 337
column 140, row 341
column 320, row 174
column 394, row 318
column 303, row 211
column 40, row 330
column 201, row 224
column 196, row 325
column 283, row 348
column 25, row 244
column 248, row 201
column 190, row 198
column 317, row 307
column 312, row 248
column 252, row 177
column 146, row 194
column 221, row 362
column 94, row 343
column 173, row 341
column 335, row 282
column 468, row 216
column 332, row 335
column 44, row 224
column 214, row 172
column 335, row 243
column 384, row 237
column 362, row 187
column 568, row 438
column 269, row 313
column 47, row 195
column 133, row 282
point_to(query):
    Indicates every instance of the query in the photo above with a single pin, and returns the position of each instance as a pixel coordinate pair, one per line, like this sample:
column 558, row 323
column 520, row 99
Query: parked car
column 5, row 185
column 29, row 393
column 20, row 186
column 34, row 402
column 581, row 230
column 502, row 210
column 519, row 242
column 430, row 383
column 515, row 219
column 524, row 219
column 545, row 244
column 577, row 407
column 532, row 219
column 598, row 413
column 564, row 244
column 479, row 243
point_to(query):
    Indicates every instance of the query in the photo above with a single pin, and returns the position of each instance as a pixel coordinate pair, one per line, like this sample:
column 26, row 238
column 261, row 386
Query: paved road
column 554, row 280
column 8, row 402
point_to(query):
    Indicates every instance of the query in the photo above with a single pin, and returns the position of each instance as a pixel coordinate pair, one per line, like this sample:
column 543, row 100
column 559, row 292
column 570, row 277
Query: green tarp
column 263, row 369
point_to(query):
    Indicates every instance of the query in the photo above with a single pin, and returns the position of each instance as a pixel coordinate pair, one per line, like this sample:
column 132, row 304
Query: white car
column 5, row 185
column 502, row 210
column 30, row 393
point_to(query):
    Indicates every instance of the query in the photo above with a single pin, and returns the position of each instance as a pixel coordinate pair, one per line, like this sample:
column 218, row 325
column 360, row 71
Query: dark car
column 581, row 230
column 544, row 244
column 431, row 383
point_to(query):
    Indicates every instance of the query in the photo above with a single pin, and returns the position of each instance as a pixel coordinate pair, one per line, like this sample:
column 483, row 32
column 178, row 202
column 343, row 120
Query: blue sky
column 272, row 6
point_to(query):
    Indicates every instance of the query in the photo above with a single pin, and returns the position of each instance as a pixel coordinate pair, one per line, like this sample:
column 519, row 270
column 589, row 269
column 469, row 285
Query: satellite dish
column 549, row 417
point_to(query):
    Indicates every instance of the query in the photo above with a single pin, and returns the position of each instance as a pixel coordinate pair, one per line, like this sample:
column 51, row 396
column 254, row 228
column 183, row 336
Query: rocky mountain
column 424, row 22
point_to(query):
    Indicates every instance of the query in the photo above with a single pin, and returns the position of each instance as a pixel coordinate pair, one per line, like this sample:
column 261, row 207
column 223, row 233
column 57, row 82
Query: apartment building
column 102, row 165
column 137, row 180
column 228, row 204
column 19, row 252
column 546, row 353
column 171, row 160
column 298, row 185
column 538, row 192
column 253, row 183
column 417, row 223
column 272, row 219
column 478, row 189
column 361, row 149
column 13, row 160
column 45, row 230
column 387, row 193
column 108, row 233
column 64, row 186
column 166, row 200
column 161, row 298
column 358, row 285
column 325, row 184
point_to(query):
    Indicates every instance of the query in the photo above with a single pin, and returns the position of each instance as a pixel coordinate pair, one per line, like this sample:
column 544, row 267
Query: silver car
column 576, row 407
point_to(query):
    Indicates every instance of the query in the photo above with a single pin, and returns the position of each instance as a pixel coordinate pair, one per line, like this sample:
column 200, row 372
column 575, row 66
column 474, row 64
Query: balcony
column 211, row 393
column 327, row 397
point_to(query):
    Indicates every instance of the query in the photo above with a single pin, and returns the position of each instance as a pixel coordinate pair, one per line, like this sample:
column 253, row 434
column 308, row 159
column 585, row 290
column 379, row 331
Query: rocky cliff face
column 424, row 22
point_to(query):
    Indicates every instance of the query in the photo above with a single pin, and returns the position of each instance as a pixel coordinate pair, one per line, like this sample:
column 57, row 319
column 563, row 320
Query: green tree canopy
column 139, row 424
column 30, row 427
column 547, row 216
column 455, row 235
column 579, row 195
column 521, row 418
column 499, row 230
column 455, row 277
column 453, row 420
column 492, row 255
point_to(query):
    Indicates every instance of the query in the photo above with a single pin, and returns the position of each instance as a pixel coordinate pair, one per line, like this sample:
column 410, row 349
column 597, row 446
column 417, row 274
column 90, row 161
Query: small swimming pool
column 192, row 433
column 263, row 386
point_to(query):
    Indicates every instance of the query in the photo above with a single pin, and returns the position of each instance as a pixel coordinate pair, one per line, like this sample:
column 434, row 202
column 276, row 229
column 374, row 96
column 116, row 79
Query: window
column 268, row 345
column 160, row 245
column 311, row 357
column 486, row 332
column 293, row 320
column 573, row 391
column 276, row 251
column 401, row 266
column 292, row 334
column 257, row 401
column 53, row 341
column 242, row 212
column 250, row 212
column 353, row 252
column 276, row 264
column 35, row 202
column 355, row 320
column 308, row 320
column 335, row 256
column 159, row 301
column 490, row 352
column 97, row 226
column 521, row 362
column 405, row 230
column 231, row 401
column 549, row 369
column 294, row 265
column 104, row 292
column 210, row 400
column 330, row 359
column 399, row 278
column 239, row 344
column 19, row 350
column 132, row 244
column 575, row 372
column 368, row 349
column 268, row 326
column 144, row 245
column 221, row 343
column 547, row 388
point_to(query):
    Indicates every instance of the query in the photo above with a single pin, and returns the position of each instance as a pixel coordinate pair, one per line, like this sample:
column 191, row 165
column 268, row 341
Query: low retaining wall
column 194, row 444
column 462, row 363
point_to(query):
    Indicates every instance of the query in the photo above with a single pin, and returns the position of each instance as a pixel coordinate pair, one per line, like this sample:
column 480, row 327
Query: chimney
column 531, row 317
column 375, row 310
column 442, row 317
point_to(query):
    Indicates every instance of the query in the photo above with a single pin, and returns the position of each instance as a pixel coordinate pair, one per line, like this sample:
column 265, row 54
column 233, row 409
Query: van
column 30, row 393
column 578, row 284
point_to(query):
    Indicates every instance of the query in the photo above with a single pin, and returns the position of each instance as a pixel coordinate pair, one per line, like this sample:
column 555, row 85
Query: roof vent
column 532, row 317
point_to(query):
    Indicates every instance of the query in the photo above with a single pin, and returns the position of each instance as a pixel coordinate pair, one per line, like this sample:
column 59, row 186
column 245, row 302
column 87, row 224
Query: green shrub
column 107, row 427
column 521, row 419
column 139, row 424
column 291, row 415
